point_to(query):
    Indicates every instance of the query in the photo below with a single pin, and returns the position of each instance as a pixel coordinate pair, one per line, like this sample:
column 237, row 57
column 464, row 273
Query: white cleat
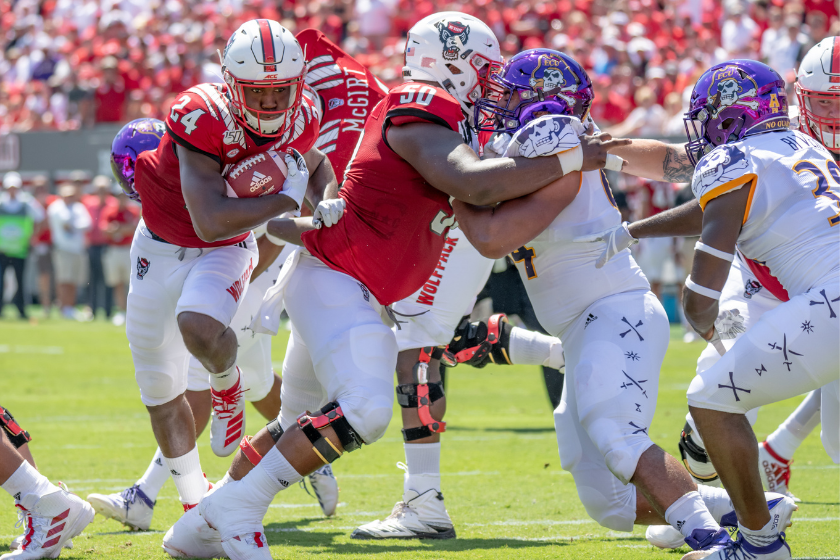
column 325, row 487
column 781, row 511
column 131, row 507
column 52, row 520
column 227, row 425
column 23, row 521
column 238, row 521
column 418, row 516
column 664, row 536
column 191, row 537
column 775, row 471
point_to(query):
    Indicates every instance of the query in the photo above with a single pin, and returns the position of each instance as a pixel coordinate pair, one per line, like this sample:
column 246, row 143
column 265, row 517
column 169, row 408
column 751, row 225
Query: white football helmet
column 818, row 93
column 264, row 54
column 456, row 50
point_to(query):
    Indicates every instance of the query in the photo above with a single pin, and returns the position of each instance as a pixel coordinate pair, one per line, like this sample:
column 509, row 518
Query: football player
column 194, row 249
column 614, row 329
column 51, row 515
column 412, row 156
column 750, row 290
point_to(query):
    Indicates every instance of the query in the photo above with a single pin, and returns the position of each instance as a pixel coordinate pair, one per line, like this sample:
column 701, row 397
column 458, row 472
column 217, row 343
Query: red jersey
column 200, row 120
column 395, row 224
column 348, row 93
column 113, row 215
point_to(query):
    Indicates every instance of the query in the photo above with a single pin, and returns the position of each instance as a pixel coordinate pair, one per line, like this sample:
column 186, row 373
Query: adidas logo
column 258, row 181
column 159, row 462
column 283, row 483
column 173, row 472
column 680, row 525
column 589, row 319
column 17, row 496
column 58, row 524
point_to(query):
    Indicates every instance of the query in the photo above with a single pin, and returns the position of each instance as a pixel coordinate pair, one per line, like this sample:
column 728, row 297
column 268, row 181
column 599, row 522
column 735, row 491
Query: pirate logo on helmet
column 454, row 35
column 730, row 86
column 547, row 75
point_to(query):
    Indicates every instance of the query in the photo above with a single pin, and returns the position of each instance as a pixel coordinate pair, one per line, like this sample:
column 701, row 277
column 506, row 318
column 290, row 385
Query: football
column 257, row 175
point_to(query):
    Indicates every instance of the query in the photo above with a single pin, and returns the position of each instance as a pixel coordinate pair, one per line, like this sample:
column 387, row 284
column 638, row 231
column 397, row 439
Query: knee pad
column 158, row 387
column 331, row 415
column 420, row 396
column 478, row 344
column 617, row 512
column 17, row 435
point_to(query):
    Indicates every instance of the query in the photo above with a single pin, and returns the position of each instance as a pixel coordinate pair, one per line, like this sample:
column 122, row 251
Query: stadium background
column 73, row 71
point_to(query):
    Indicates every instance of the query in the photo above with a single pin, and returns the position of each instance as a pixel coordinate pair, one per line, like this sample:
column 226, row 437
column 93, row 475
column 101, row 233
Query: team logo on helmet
column 454, row 35
column 142, row 267
column 548, row 74
column 721, row 165
column 730, row 86
column 751, row 288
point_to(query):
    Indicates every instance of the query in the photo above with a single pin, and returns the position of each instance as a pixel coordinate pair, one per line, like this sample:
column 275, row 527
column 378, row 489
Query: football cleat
column 775, row 471
column 664, row 536
column 131, row 507
column 191, row 537
column 51, row 521
column 418, row 516
column 232, row 515
column 740, row 549
column 227, row 425
column 23, row 517
column 325, row 487
column 781, row 510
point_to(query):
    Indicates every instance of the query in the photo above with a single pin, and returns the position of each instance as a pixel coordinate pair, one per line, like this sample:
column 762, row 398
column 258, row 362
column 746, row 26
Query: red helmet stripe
column 835, row 61
column 267, row 44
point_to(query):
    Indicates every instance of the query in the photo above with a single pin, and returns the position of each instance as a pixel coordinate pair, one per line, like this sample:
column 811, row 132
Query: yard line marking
column 29, row 349
column 295, row 506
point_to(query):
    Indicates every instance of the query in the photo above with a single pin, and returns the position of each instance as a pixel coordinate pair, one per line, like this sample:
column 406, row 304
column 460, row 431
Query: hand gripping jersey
column 560, row 275
column 200, row 120
column 792, row 220
column 348, row 93
column 393, row 230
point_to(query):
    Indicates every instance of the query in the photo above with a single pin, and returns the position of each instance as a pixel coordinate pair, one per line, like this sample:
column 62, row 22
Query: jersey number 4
column 823, row 187
column 526, row 255
column 187, row 120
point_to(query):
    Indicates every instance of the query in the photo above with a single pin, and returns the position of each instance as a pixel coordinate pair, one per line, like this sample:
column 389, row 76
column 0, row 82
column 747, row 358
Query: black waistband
column 156, row 237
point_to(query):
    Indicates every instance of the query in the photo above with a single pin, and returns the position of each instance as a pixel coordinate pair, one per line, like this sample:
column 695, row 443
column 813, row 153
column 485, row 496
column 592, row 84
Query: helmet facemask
column 272, row 122
column 825, row 129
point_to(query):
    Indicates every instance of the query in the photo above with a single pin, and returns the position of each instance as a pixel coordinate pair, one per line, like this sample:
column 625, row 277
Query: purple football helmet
column 545, row 81
column 733, row 100
column 133, row 139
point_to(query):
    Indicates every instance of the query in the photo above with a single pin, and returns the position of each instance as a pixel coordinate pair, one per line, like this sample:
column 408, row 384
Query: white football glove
column 328, row 212
column 616, row 240
column 295, row 184
column 730, row 323
column 496, row 146
column 546, row 136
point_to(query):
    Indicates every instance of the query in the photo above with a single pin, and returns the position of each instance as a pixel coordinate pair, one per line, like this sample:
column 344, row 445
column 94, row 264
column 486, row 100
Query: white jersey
column 560, row 275
column 792, row 221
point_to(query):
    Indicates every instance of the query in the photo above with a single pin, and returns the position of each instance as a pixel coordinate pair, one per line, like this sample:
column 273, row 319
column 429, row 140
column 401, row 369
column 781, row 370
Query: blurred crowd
column 75, row 243
column 67, row 64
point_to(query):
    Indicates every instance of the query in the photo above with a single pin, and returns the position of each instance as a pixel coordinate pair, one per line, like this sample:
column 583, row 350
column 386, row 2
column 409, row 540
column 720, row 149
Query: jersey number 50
column 823, row 187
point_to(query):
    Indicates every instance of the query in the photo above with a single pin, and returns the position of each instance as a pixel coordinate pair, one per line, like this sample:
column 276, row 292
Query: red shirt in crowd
column 110, row 101
column 119, row 217
column 95, row 207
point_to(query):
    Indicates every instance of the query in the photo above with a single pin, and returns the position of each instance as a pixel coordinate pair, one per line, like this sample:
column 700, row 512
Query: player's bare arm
column 322, row 181
column 451, row 166
column 214, row 215
column 655, row 160
column 498, row 230
column 290, row 229
column 685, row 220
column 722, row 220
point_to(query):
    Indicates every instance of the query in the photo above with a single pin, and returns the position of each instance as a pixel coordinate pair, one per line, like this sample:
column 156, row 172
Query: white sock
column 273, row 474
column 789, row 436
column 765, row 536
column 689, row 513
column 533, row 348
column 716, row 499
column 27, row 480
column 225, row 380
column 156, row 475
column 188, row 477
column 423, row 462
column 225, row 479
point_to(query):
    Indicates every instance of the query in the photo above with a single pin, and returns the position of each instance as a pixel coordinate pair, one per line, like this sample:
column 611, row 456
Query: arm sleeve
column 726, row 168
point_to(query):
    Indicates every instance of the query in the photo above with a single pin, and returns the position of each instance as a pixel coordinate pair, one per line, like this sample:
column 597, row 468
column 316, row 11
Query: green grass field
column 72, row 386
